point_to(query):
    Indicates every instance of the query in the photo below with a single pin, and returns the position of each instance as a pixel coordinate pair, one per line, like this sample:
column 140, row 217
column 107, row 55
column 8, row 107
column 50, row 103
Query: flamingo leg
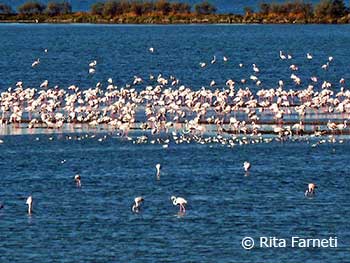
column 183, row 208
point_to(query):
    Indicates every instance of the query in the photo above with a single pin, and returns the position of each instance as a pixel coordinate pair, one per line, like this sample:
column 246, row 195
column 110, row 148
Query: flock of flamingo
column 177, row 201
column 162, row 106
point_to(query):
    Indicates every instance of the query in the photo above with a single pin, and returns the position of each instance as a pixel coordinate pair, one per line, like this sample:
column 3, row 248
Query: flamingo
column 29, row 202
column 311, row 189
column 36, row 62
column 136, row 207
column 246, row 166
column 93, row 63
column 179, row 201
column 256, row 69
column 158, row 167
column 77, row 179
column 309, row 56
column 213, row 60
column 283, row 57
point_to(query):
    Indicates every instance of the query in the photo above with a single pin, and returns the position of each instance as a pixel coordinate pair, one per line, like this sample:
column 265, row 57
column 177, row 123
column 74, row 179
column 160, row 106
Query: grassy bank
column 82, row 17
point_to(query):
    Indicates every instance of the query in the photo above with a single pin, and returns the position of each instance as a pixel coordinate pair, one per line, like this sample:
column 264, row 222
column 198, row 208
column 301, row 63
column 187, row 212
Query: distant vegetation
column 163, row 11
column 325, row 11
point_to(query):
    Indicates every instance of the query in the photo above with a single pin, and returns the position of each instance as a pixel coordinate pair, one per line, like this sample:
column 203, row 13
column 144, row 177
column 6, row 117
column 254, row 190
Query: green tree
column 205, row 8
column 31, row 8
column 97, row 8
column 329, row 8
column 264, row 8
column 180, row 8
column 5, row 9
column 137, row 8
column 56, row 8
column 163, row 6
column 338, row 8
column 112, row 8
column 248, row 11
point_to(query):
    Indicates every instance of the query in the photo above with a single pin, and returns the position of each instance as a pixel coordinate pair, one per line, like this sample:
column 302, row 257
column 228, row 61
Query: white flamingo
column 179, row 201
column 311, row 189
column 246, row 166
column 77, row 179
column 158, row 167
column 29, row 202
column 36, row 62
column 138, row 201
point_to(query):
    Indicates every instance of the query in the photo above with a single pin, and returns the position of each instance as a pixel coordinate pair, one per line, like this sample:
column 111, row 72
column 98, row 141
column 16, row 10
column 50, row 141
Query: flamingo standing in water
column 138, row 201
column 158, row 167
column 179, row 201
column 246, row 166
column 29, row 202
column 311, row 189
column 77, row 179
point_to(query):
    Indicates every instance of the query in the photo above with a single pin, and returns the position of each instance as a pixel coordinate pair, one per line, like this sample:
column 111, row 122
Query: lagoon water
column 95, row 223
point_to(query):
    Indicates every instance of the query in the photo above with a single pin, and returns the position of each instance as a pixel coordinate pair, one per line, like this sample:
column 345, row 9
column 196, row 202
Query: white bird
column 92, row 71
column 212, row 83
column 225, row 59
column 213, row 60
column 93, row 63
column 282, row 56
column 240, row 65
column 158, row 167
column 313, row 79
column 256, row 69
column 202, row 64
column 44, row 84
column 179, row 201
column 138, row 201
column 246, row 166
column 29, row 202
column 308, row 56
column 330, row 59
column 151, row 49
column 325, row 66
column 311, row 189
column 77, row 179
column 46, row 50
column 36, row 62
column 110, row 81
column 293, row 67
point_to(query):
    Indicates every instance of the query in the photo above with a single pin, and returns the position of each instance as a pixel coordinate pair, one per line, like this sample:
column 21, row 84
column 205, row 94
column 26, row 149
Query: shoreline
column 171, row 20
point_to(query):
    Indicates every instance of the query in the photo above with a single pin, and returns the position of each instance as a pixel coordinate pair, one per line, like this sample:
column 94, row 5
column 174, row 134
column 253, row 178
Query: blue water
column 95, row 223
column 122, row 52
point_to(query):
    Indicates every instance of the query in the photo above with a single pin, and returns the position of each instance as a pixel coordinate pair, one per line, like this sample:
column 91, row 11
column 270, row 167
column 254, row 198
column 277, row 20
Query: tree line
column 325, row 8
column 113, row 8
column 35, row 8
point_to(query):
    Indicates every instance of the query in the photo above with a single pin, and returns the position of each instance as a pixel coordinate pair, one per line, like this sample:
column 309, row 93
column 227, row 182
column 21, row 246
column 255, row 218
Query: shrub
column 205, row 8
column 31, row 8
